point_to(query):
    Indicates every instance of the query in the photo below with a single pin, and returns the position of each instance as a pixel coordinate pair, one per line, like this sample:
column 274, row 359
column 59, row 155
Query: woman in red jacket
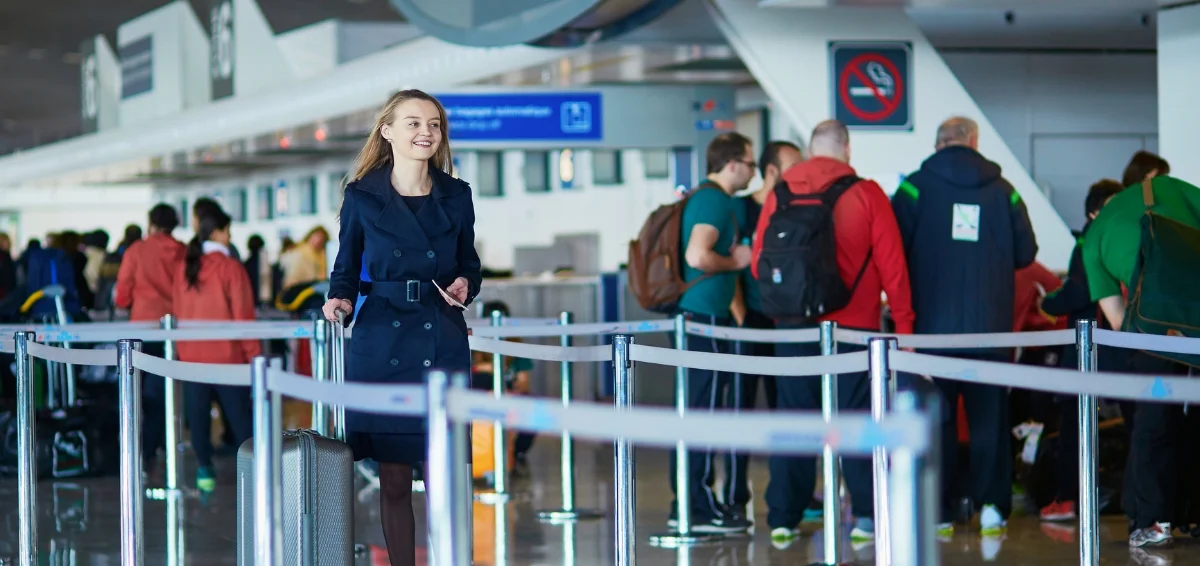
column 213, row 286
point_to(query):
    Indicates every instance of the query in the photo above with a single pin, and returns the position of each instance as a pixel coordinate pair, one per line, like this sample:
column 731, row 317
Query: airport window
column 308, row 196
column 237, row 205
column 606, row 167
column 489, row 174
column 185, row 213
column 265, row 197
column 537, row 171
column 337, row 188
column 657, row 163
column 282, row 198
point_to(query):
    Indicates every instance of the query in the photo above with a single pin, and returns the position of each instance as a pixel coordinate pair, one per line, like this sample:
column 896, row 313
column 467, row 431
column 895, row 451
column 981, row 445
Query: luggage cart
column 60, row 378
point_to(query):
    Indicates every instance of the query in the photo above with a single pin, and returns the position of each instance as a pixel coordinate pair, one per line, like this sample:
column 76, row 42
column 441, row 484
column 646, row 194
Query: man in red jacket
column 870, row 251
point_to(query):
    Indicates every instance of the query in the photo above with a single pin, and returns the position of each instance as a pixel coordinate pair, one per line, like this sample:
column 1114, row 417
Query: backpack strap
column 1148, row 193
column 830, row 197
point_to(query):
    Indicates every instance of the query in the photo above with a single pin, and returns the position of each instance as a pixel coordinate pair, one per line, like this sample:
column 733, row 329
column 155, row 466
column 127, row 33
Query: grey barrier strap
column 789, row 336
column 77, row 357
column 212, row 374
column 757, row 365
column 963, row 341
column 8, row 347
column 363, row 397
column 1151, row 342
column 247, row 330
column 541, row 352
column 588, row 329
column 1109, row 385
column 775, row 433
column 512, row 321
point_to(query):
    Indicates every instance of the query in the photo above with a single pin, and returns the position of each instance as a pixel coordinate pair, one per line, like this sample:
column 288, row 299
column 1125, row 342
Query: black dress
column 404, row 327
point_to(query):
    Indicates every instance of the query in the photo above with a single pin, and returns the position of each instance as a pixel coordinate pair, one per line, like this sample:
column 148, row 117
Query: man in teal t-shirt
column 1157, row 438
column 712, row 250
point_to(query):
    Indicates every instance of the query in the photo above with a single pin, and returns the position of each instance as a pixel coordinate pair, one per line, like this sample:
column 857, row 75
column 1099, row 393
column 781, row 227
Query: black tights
column 396, row 509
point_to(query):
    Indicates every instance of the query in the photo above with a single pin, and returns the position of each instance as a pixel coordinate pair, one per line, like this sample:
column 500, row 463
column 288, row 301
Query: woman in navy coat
column 407, row 224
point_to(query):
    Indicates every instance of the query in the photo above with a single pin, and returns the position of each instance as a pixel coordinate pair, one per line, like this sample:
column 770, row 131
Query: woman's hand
column 458, row 291
column 334, row 306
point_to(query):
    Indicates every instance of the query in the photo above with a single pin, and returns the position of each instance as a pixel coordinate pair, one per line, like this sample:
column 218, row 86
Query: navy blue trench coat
column 404, row 327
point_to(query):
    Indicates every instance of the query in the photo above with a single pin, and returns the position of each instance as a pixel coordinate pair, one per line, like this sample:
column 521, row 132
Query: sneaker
column 814, row 515
column 206, row 480
column 945, row 530
column 722, row 525
column 864, row 530
column 1059, row 511
column 1154, row 535
column 990, row 521
column 782, row 537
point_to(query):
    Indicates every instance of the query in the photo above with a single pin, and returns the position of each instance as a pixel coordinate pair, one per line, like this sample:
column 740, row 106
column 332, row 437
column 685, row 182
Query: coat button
column 395, row 362
column 428, row 326
column 430, row 254
column 428, row 363
column 395, row 324
column 396, row 253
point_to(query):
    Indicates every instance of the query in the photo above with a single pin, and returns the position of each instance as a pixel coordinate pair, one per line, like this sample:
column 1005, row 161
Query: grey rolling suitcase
column 318, row 501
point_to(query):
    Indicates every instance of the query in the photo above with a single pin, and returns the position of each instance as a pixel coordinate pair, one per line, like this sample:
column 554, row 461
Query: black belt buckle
column 413, row 290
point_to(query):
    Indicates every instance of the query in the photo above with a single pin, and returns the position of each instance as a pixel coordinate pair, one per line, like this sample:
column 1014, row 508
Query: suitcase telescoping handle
column 337, row 371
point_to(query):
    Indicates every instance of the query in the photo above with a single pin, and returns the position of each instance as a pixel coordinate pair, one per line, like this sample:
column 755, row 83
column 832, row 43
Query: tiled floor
column 79, row 524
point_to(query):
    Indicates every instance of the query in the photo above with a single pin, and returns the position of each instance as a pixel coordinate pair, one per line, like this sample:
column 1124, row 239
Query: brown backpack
column 656, row 260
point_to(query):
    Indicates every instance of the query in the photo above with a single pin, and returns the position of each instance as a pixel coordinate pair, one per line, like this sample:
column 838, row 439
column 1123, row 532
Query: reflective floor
column 79, row 523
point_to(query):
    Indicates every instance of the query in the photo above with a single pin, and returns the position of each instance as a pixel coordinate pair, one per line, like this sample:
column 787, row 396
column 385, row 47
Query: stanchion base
column 491, row 497
column 162, row 493
column 675, row 540
column 565, row 516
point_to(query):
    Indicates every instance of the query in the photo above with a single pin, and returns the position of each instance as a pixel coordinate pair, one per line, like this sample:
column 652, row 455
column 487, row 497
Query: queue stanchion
column 460, row 442
column 170, row 411
column 913, row 497
column 831, row 477
column 568, row 511
column 320, row 368
column 27, row 453
column 1089, row 447
column 625, row 496
column 130, row 406
column 268, row 507
column 499, row 442
column 880, row 375
column 683, row 534
column 440, row 490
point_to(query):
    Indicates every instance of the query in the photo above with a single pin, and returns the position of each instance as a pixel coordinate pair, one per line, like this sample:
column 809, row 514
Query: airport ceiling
column 40, row 41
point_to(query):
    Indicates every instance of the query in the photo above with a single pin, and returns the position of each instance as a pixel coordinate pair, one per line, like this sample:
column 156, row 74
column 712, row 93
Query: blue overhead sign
column 559, row 116
column 872, row 84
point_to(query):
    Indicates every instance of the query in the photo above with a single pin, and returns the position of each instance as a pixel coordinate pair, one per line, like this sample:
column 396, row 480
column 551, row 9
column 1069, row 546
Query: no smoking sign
column 871, row 84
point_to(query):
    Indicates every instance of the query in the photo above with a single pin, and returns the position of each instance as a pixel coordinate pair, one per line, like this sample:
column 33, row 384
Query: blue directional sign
column 557, row 116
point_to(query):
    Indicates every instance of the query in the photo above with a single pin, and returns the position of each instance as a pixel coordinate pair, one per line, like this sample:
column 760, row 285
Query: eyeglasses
column 751, row 163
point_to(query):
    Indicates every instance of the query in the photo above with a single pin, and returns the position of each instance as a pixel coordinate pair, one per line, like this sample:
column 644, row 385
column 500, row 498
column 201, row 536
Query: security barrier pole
column 623, row 466
column 129, row 380
column 682, row 535
column 568, row 511
column 880, row 374
column 499, row 442
column 831, row 477
column 60, row 309
column 27, row 453
column 1089, row 447
column 912, row 526
column 170, row 412
column 460, row 442
column 268, row 551
column 320, row 368
column 440, row 490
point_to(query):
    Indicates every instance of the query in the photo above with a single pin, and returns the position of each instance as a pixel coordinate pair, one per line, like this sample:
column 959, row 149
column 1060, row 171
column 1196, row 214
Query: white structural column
column 1178, row 121
column 787, row 51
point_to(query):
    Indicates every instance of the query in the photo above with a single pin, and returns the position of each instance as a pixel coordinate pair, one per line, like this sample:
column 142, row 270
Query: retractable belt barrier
column 891, row 433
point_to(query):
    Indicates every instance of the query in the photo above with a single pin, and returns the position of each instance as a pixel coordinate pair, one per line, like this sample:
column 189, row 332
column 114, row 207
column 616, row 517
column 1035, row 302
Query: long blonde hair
column 377, row 153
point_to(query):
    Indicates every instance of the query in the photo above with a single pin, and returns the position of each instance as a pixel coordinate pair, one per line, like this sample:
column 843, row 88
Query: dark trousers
column 989, row 481
column 794, row 478
column 1160, row 435
column 706, row 392
column 235, row 403
column 154, row 407
column 743, row 395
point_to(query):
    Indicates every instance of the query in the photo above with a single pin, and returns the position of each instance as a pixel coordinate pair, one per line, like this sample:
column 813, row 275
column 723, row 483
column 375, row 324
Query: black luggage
column 78, row 441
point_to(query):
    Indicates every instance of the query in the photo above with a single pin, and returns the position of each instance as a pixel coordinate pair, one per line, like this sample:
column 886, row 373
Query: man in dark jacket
column 966, row 232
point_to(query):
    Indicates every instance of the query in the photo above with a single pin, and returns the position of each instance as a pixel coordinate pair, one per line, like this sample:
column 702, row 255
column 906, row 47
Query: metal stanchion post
column 880, row 374
column 460, row 440
column 129, row 382
column 682, row 535
column 440, row 489
column 499, row 442
column 267, row 550
column 1089, row 446
column 170, row 412
column 27, row 453
column 57, row 291
column 912, row 527
column 568, row 511
column 623, row 466
column 831, row 477
column 320, row 368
